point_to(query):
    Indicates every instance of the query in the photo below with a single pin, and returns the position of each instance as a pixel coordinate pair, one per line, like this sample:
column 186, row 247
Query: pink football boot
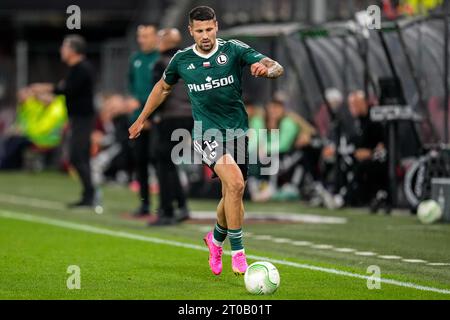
column 239, row 263
column 215, row 254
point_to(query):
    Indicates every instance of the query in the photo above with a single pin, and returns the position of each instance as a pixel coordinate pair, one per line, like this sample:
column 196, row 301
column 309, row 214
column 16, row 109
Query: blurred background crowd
column 332, row 151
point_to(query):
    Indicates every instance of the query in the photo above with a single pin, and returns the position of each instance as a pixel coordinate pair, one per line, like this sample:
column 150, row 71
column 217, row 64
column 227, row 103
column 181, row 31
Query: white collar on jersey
column 209, row 55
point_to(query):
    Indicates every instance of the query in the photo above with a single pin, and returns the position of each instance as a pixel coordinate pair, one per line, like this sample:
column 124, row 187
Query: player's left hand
column 258, row 70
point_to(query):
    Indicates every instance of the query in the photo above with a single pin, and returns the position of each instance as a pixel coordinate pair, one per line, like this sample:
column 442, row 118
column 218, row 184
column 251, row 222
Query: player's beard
column 206, row 46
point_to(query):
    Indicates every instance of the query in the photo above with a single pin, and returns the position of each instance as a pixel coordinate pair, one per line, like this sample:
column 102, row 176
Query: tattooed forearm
column 274, row 68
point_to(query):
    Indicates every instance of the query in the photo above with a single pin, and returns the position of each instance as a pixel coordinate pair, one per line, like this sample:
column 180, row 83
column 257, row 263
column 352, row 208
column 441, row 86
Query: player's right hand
column 135, row 129
column 258, row 70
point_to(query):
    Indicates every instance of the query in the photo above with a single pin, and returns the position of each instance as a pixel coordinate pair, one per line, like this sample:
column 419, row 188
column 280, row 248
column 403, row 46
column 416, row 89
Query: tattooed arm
column 267, row 68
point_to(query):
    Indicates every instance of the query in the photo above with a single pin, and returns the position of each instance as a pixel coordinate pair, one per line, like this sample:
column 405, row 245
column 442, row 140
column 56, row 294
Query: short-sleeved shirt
column 213, row 82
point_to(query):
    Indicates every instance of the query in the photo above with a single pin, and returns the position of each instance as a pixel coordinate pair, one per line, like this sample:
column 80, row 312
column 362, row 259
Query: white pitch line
column 263, row 237
column 365, row 253
column 344, row 250
column 32, row 202
column 281, row 240
column 302, row 243
column 341, row 250
column 286, row 216
column 127, row 235
column 279, row 216
column 414, row 260
column 322, row 246
column 53, row 205
column 390, row 257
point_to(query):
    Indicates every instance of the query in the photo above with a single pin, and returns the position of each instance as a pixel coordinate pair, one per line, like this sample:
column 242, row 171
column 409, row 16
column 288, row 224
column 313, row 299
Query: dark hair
column 147, row 24
column 277, row 101
column 76, row 42
column 202, row 13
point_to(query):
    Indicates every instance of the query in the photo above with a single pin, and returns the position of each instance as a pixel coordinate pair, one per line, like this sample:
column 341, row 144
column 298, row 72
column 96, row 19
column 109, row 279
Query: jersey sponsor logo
column 211, row 84
column 222, row 59
column 191, row 67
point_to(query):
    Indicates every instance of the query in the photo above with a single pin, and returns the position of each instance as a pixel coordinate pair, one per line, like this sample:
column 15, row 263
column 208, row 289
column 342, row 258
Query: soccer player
column 212, row 70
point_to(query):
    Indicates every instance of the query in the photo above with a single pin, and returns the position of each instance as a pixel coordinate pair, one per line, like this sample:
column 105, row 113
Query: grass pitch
column 125, row 259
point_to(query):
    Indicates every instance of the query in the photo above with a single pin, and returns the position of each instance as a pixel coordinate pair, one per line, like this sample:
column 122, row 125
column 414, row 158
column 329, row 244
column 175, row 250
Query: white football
column 261, row 278
column 429, row 211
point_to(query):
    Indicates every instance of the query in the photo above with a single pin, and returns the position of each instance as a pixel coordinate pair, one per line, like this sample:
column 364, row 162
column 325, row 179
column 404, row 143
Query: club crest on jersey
column 222, row 59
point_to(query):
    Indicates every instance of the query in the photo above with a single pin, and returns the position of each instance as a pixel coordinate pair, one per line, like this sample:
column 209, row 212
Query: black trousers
column 80, row 152
column 170, row 188
column 141, row 148
column 14, row 147
column 369, row 177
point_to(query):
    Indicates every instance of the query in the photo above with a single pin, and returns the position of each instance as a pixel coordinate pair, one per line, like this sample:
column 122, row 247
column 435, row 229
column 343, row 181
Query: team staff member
column 140, row 83
column 174, row 113
column 78, row 88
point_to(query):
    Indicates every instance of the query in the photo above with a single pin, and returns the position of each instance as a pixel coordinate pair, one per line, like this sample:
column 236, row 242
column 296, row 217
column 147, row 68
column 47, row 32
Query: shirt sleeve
column 171, row 75
column 247, row 54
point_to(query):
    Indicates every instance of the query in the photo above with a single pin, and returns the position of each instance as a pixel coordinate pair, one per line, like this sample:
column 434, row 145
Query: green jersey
column 214, row 86
column 140, row 77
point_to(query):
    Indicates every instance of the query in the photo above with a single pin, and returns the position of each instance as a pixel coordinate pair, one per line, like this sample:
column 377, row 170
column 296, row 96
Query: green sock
column 220, row 234
column 236, row 239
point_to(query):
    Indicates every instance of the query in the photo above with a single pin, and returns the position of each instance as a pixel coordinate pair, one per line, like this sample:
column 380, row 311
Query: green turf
column 34, row 257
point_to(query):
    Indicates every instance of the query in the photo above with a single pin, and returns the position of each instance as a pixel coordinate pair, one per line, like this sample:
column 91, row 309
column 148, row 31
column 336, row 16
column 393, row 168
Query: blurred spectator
column 334, row 163
column 256, row 122
column 370, row 168
column 40, row 121
column 322, row 117
column 111, row 154
column 175, row 113
column 364, row 155
column 140, row 84
column 395, row 8
column 294, row 134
